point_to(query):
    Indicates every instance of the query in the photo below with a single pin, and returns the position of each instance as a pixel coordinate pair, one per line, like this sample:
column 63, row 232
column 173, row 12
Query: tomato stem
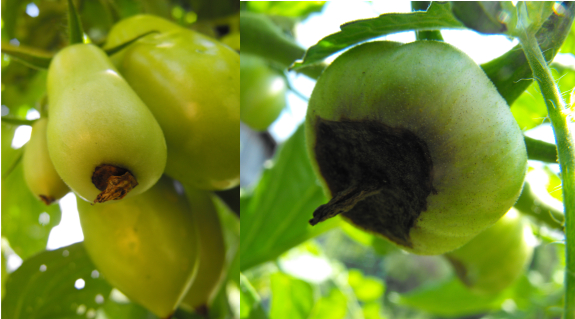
column 560, row 118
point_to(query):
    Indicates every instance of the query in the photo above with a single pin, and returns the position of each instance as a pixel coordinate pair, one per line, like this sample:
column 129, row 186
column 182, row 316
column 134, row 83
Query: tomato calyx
column 114, row 182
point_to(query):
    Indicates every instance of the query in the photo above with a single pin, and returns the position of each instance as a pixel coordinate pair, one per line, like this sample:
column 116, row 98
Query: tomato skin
column 95, row 119
column 146, row 245
column 212, row 251
column 39, row 172
column 262, row 93
column 191, row 84
column 232, row 40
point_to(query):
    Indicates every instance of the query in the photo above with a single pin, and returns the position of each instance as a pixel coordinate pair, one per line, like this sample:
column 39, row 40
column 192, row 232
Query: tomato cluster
column 122, row 132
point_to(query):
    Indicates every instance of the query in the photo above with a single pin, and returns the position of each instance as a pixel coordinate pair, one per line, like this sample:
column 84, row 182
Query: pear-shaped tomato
column 262, row 92
column 191, row 84
column 39, row 172
column 102, row 139
column 145, row 245
column 212, row 252
column 413, row 142
column 494, row 259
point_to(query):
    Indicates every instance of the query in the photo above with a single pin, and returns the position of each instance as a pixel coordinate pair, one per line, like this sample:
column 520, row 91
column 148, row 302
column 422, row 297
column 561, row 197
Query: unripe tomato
column 232, row 40
column 191, row 84
column 212, row 252
column 145, row 245
column 414, row 143
column 99, row 126
column 494, row 259
column 39, row 172
column 262, row 93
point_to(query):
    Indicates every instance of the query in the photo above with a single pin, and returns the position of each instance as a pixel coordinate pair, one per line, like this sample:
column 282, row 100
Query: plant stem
column 565, row 140
column 425, row 35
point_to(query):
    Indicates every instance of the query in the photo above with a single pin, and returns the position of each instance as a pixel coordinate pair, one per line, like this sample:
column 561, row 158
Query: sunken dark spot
column 387, row 169
column 103, row 172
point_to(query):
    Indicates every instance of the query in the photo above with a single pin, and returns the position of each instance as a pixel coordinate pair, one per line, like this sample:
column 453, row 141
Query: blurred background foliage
column 292, row 270
column 63, row 283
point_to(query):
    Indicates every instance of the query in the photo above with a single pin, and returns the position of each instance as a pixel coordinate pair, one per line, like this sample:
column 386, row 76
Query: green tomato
column 212, row 252
column 39, row 172
column 102, row 139
column 232, row 40
column 146, row 245
column 495, row 258
column 191, row 84
column 262, row 93
column 414, row 143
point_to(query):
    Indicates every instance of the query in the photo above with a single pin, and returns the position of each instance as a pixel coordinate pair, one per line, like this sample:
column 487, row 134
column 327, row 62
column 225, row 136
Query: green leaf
column 332, row 306
column 250, row 303
column 276, row 216
column 529, row 109
column 438, row 16
column 44, row 286
column 481, row 16
column 380, row 245
column 75, row 30
column 291, row 298
column 4, row 274
column 297, row 9
column 24, row 223
column 366, row 289
column 569, row 44
column 451, row 299
column 529, row 203
column 126, row 310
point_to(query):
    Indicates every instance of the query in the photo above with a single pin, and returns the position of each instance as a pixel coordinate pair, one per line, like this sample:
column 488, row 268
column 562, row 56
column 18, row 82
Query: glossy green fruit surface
column 191, row 84
column 495, row 258
column 146, row 245
column 262, row 92
column 97, row 121
column 39, row 172
column 212, row 251
column 413, row 142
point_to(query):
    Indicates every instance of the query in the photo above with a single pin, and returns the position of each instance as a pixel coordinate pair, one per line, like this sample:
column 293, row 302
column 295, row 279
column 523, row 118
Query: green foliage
column 62, row 283
column 292, row 298
column 437, row 16
column 275, row 216
column 26, row 221
column 299, row 9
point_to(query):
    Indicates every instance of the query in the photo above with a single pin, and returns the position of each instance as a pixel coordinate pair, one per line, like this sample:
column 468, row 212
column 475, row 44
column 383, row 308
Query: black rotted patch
column 379, row 176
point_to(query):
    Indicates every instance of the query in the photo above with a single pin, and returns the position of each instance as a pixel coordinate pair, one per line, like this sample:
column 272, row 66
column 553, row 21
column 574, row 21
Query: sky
column 479, row 48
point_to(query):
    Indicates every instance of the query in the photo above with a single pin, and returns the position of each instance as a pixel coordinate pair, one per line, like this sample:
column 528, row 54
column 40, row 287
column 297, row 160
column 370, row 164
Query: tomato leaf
column 46, row 286
column 481, row 16
column 26, row 221
column 450, row 298
column 276, row 216
column 75, row 29
column 438, row 16
column 250, row 302
column 291, row 298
